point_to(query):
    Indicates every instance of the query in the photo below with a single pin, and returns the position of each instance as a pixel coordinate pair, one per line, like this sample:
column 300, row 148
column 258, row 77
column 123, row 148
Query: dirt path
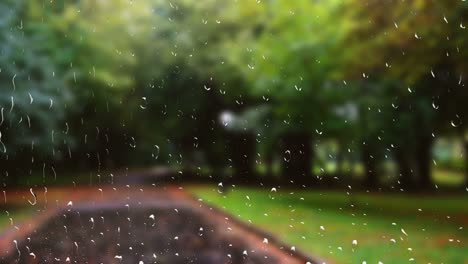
column 132, row 224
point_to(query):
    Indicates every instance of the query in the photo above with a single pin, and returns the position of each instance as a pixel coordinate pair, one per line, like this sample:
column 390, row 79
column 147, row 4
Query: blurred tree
column 290, row 63
column 34, row 98
column 193, row 83
column 119, row 82
column 425, row 58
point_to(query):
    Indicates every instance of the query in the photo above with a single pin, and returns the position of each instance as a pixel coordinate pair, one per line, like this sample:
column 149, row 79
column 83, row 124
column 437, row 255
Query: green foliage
column 129, row 78
column 291, row 61
column 34, row 97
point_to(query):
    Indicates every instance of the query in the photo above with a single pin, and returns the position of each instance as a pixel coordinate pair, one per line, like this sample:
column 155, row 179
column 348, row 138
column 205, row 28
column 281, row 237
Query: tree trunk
column 340, row 158
column 423, row 160
column 297, row 157
column 242, row 146
column 370, row 164
column 405, row 173
column 269, row 165
column 465, row 148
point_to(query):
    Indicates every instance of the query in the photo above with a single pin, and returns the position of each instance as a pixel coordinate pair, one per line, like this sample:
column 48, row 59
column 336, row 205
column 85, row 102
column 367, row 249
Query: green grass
column 12, row 217
column 435, row 226
column 450, row 178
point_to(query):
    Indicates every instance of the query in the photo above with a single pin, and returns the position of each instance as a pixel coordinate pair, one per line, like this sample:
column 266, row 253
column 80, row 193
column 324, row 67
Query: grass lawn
column 449, row 178
column 391, row 228
column 14, row 216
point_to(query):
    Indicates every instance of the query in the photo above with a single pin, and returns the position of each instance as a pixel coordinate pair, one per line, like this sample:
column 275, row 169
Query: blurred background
column 353, row 113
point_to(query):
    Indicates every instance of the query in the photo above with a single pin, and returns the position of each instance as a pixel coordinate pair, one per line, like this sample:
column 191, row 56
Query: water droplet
column 287, row 155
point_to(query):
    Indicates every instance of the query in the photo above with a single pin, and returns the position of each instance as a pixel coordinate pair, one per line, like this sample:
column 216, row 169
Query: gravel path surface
column 139, row 224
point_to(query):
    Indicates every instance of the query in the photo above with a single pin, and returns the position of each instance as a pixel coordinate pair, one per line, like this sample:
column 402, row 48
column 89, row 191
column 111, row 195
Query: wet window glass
column 234, row 131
